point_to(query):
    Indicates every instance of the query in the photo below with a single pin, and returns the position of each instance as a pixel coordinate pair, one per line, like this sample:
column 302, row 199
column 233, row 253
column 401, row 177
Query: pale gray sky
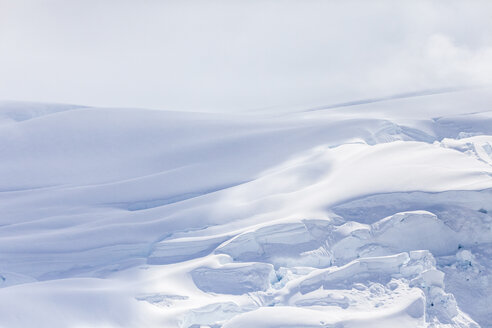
column 229, row 55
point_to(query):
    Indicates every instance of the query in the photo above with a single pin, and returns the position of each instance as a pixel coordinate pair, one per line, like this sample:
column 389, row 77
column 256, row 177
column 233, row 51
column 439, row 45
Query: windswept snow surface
column 371, row 215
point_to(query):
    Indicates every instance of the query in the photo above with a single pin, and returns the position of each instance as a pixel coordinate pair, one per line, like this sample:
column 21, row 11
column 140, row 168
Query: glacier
column 370, row 214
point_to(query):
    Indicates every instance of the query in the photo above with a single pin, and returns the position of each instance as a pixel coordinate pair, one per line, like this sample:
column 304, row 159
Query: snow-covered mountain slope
column 372, row 215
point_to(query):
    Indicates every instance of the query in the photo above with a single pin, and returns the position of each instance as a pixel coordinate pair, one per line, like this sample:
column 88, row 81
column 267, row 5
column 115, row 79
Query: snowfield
column 377, row 214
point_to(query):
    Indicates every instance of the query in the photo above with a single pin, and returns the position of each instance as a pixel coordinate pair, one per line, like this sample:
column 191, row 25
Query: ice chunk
column 415, row 230
column 234, row 279
column 377, row 269
column 298, row 243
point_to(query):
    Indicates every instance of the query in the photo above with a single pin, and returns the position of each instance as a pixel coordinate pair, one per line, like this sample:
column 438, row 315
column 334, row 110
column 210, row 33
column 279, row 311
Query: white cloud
column 238, row 55
column 452, row 62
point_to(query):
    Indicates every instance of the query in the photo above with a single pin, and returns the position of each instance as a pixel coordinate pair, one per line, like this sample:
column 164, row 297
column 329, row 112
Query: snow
column 376, row 214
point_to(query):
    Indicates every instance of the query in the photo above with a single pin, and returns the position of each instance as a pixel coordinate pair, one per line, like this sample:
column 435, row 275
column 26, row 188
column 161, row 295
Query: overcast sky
column 235, row 55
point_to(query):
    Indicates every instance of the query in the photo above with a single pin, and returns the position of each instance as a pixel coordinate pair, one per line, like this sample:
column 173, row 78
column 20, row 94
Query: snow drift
column 372, row 215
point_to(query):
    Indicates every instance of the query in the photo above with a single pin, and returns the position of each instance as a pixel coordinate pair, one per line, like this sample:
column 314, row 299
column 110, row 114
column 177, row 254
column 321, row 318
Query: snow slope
column 371, row 215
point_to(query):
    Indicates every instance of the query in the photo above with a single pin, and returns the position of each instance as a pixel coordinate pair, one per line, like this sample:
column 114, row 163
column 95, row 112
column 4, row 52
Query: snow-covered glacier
column 376, row 214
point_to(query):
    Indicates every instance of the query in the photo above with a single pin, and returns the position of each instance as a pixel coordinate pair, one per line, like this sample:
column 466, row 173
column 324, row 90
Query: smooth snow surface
column 372, row 215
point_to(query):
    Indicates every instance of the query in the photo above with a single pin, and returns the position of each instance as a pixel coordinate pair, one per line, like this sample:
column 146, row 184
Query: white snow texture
column 366, row 215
